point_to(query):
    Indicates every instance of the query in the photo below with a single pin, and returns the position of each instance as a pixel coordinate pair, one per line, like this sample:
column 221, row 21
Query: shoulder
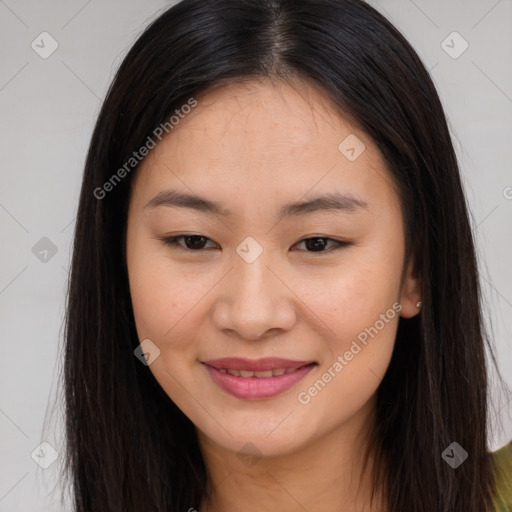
column 502, row 460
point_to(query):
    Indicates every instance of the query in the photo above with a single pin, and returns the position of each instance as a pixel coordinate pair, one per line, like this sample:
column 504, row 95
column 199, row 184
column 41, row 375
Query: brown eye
column 191, row 242
column 319, row 244
column 195, row 241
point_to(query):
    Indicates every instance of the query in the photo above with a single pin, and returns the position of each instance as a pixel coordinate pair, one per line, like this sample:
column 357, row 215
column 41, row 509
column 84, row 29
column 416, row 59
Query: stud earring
column 418, row 305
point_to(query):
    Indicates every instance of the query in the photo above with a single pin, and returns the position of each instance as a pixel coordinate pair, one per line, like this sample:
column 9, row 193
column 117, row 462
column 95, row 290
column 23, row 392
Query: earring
column 418, row 305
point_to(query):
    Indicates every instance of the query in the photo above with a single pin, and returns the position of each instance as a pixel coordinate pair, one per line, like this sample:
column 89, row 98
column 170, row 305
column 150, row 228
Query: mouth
column 253, row 384
column 257, row 367
column 274, row 372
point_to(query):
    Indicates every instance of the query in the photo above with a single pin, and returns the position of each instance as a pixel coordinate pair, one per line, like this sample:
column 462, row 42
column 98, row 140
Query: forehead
column 269, row 115
column 264, row 138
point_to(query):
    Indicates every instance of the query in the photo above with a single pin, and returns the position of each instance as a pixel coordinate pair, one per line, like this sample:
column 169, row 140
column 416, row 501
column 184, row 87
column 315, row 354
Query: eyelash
column 172, row 241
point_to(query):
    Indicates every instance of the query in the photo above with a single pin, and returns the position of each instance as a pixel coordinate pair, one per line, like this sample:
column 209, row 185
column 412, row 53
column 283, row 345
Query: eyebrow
column 332, row 201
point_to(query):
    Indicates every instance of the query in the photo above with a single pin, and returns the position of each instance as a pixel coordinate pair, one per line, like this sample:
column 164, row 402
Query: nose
column 255, row 301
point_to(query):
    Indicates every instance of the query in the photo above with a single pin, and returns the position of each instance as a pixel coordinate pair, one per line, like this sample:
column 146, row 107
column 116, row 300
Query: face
column 323, row 281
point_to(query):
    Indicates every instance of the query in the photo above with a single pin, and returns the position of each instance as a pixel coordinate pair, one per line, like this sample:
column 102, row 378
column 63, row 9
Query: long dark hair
column 129, row 447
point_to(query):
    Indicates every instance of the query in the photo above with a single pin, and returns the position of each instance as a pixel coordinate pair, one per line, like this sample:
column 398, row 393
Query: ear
column 410, row 294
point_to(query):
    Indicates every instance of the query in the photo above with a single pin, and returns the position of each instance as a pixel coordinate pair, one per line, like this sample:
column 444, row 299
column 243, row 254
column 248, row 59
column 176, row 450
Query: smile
column 261, row 374
column 257, row 385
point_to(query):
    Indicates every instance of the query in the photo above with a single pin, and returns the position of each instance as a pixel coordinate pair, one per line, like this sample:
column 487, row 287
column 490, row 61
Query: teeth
column 267, row 373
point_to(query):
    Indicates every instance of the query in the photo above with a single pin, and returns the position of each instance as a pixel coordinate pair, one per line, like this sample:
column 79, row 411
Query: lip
column 256, row 388
column 258, row 365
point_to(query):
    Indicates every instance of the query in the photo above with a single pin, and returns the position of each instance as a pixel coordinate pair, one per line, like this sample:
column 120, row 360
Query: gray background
column 48, row 108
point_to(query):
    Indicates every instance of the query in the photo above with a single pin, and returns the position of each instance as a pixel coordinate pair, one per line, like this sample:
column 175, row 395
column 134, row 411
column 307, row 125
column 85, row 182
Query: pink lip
column 254, row 388
column 258, row 365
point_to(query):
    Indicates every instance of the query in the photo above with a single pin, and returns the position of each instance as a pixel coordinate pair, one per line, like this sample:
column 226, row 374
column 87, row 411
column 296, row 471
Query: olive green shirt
column 503, row 464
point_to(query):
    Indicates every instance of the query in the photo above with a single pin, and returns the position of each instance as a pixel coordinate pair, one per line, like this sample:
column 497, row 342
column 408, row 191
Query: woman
column 274, row 299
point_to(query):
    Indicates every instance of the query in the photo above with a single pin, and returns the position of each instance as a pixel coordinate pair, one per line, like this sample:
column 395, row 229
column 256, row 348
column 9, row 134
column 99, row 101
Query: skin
column 253, row 147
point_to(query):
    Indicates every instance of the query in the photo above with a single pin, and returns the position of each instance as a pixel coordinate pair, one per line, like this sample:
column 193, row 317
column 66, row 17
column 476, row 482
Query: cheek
column 350, row 297
column 358, row 305
column 361, row 325
column 159, row 296
column 170, row 304
column 354, row 356
column 162, row 300
column 164, row 305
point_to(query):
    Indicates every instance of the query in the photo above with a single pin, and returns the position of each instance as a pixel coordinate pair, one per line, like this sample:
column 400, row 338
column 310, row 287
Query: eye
column 197, row 243
column 319, row 243
column 192, row 242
